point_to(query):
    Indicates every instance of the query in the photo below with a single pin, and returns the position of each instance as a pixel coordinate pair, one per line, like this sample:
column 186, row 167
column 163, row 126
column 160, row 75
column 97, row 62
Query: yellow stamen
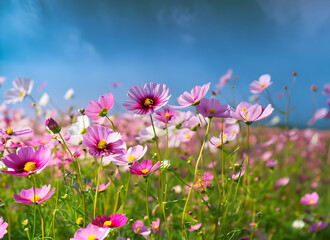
column 22, row 94
column 211, row 110
column 245, row 117
column 38, row 198
column 156, row 227
column 102, row 189
column 80, row 220
column 311, row 201
column 102, row 144
column 92, row 237
column 195, row 227
column 188, row 136
column 44, row 141
column 243, row 109
column 167, row 115
column 262, row 85
column 30, row 166
column 9, row 131
column 139, row 229
column 148, row 102
column 131, row 158
column 107, row 223
column 145, row 171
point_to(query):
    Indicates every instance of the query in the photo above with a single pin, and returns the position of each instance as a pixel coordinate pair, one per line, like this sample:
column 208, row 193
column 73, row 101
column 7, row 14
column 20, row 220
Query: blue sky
column 87, row 45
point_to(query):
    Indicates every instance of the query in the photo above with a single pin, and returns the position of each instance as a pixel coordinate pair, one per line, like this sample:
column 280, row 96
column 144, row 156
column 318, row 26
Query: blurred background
column 104, row 46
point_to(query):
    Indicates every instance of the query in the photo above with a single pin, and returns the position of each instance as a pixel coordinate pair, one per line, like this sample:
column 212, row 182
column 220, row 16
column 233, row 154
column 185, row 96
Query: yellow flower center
column 102, row 144
column 148, row 102
column 131, row 158
column 318, row 226
column 102, row 189
column 311, row 201
column 92, row 237
column 245, row 117
column 211, row 110
column 243, row 109
column 22, row 94
column 107, row 223
column 145, row 171
column 30, row 166
column 9, row 131
column 80, row 220
column 44, row 141
column 156, row 227
column 188, row 136
column 262, row 85
column 38, row 198
column 139, row 229
column 167, row 115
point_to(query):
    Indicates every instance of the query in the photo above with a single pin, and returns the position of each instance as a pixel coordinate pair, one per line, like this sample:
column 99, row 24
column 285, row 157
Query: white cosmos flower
column 44, row 100
column 69, row 94
column 20, row 90
column 78, row 129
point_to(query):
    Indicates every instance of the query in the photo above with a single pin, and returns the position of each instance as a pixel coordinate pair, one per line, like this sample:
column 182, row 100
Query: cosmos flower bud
column 294, row 74
column 52, row 125
column 285, row 87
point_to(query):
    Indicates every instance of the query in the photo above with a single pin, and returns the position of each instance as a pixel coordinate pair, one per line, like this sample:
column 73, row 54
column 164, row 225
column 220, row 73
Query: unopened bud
column 285, row 87
column 52, row 125
column 294, row 74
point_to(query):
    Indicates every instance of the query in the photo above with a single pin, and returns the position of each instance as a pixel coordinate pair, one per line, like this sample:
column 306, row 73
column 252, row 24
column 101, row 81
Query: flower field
column 200, row 169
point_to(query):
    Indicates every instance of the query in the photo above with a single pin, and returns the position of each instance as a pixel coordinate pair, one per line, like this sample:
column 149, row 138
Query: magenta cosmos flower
column 27, row 161
column 194, row 97
column 261, row 85
column 103, row 186
column 99, row 109
column 104, row 141
column 143, row 168
column 114, row 221
column 9, row 132
column 213, row 108
column 249, row 113
column 139, row 228
column 147, row 99
column 91, row 232
column 27, row 196
column 3, row 228
column 317, row 226
column 310, row 199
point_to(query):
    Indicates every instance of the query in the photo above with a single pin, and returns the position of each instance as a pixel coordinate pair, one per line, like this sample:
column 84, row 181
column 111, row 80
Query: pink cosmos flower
column 104, row 141
column 42, row 86
column 319, row 114
column 115, row 84
column 225, row 138
column 96, row 110
column 238, row 174
column 271, row 163
column 3, row 228
column 9, row 132
column 193, row 98
column 317, row 226
column 27, row 161
column 91, row 232
column 114, row 221
column 139, row 228
column 195, row 227
column 20, row 91
column 147, row 99
column 143, row 168
column 103, row 186
column 310, row 199
column 261, row 85
column 281, row 182
column 155, row 225
column 314, row 87
column 224, row 79
column 163, row 118
column 213, row 108
column 249, row 113
column 27, row 196
column 326, row 89
column 133, row 154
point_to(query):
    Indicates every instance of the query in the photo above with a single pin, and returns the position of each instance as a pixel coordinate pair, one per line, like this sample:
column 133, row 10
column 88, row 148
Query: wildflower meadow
column 199, row 169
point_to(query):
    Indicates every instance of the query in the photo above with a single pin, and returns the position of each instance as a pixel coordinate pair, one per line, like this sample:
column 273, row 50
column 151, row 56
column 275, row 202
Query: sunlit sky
column 87, row 45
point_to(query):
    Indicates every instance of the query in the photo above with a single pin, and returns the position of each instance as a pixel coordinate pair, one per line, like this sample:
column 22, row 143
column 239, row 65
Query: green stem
column 113, row 126
column 35, row 207
column 42, row 223
column 195, row 174
column 97, row 186
column 57, row 193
